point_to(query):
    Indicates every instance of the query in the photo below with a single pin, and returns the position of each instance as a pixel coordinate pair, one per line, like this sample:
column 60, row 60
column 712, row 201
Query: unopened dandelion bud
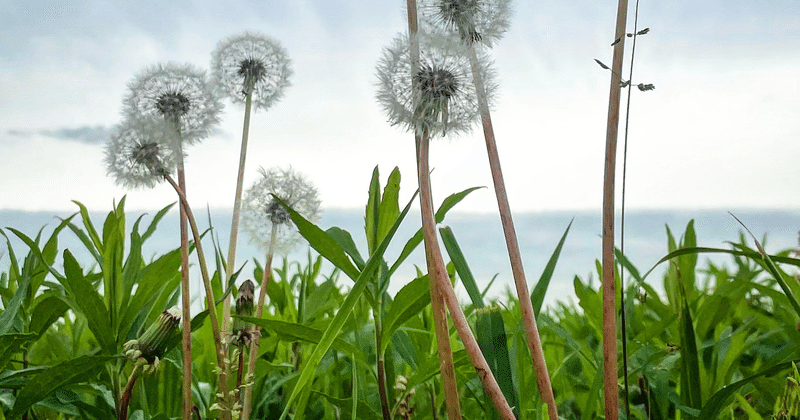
column 151, row 345
column 240, row 334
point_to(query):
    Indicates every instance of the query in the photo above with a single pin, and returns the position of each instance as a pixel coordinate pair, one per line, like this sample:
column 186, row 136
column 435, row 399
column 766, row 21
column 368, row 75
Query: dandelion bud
column 151, row 345
column 240, row 335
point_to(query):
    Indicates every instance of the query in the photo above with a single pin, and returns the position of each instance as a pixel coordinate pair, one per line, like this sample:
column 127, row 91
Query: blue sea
column 479, row 235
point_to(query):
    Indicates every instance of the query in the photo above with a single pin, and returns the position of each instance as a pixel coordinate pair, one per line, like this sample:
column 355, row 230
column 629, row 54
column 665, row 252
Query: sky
column 721, row 130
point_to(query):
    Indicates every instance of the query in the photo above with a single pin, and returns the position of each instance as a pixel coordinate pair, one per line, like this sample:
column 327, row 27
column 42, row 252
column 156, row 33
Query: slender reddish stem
column 610, row 378
column 526, row 308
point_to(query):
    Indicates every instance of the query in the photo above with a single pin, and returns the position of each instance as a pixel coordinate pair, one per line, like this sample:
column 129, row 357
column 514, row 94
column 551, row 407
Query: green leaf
column 290, row 331
column 537, row 296
column 491, row 336
column 415, row 240
column 11, row 344
column 408, row 302
column 11, row 310
column 160, row 276
column 389, row 207
column 363, row 279
column 47, row 311
column 89, row 303
column 714, row 406
column 462, row 268
column 690, row 358
column 322, row 243
column 87, row 222
column 371, row 212
column 345, row 240
column 154, row 223
column 34, row 247
column 50, row 380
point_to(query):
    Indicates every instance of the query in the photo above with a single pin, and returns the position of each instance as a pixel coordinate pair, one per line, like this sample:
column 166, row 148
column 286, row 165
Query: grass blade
column 537, row 296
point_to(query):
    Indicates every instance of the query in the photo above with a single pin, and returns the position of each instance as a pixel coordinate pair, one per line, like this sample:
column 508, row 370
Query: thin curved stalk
column 610, row 380
column 526, row 307
column 247, row 401
column 237, row 206
column 212, row 309
column 122, row 413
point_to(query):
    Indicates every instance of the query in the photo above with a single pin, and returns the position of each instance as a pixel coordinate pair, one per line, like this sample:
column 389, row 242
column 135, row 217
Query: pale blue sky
column 721, row 130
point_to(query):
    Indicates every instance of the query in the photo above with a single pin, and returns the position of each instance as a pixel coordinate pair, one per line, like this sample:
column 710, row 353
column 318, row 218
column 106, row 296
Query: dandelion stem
column 526, row 308
column 436, row 269
column 254, row 343
column 125, row 401
column 212, row 309
column 237, row 206
column 609, row 287
column 186, row 340
column 435, row 265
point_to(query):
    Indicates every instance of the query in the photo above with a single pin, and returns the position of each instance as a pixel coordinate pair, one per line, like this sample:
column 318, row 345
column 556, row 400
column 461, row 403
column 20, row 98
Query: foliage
column 706, row 342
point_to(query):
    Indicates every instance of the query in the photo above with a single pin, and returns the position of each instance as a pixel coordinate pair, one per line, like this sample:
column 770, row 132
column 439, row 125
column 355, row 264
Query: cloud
column 85, row 134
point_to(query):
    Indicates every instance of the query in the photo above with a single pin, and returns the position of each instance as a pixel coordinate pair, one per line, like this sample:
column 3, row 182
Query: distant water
column 479, row 235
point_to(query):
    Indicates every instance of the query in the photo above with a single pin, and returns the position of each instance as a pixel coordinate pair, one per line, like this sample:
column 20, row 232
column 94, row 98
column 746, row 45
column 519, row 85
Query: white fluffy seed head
column 251, row 62
column 177, row 93
column 261, row 211
column 446, row 100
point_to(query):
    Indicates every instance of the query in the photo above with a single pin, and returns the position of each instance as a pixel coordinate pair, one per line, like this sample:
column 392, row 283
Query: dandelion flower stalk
column 253, row 69
column 180, row 95
column 446, row 366
column 526, row 308
column 448, row 106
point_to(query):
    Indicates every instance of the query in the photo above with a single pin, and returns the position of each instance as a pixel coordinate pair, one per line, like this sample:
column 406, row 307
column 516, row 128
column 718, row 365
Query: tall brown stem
column 609, row 287
column 526, row 308
column 186, row 406
column 436, row 269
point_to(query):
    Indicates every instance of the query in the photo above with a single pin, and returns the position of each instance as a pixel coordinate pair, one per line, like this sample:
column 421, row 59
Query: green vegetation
column 713, row 341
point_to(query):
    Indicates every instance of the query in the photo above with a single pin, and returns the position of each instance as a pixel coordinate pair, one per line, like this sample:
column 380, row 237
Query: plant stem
column 256, row 336
column 623, row 321
column 609, row 288
column 436, row 270
column 446, row 292
column 381, row 362
column 526, row 307
column 186, row 341
column 237, row 206
column 122, row 411
column 212, row 308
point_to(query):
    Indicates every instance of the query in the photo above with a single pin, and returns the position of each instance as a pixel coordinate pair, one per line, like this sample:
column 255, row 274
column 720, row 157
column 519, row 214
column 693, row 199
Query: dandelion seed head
column 446, row 100
column 178, row 93
column 251, row 63
column 139, row 153
column 481, row 21
column 261, row 210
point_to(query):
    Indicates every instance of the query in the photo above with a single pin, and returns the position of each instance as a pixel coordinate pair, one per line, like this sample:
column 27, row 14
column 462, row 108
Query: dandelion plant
column 140, row 153
column 478, row 24
column 180, row 95
column 270, row 227
column 254, row 70
column 425, row 87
